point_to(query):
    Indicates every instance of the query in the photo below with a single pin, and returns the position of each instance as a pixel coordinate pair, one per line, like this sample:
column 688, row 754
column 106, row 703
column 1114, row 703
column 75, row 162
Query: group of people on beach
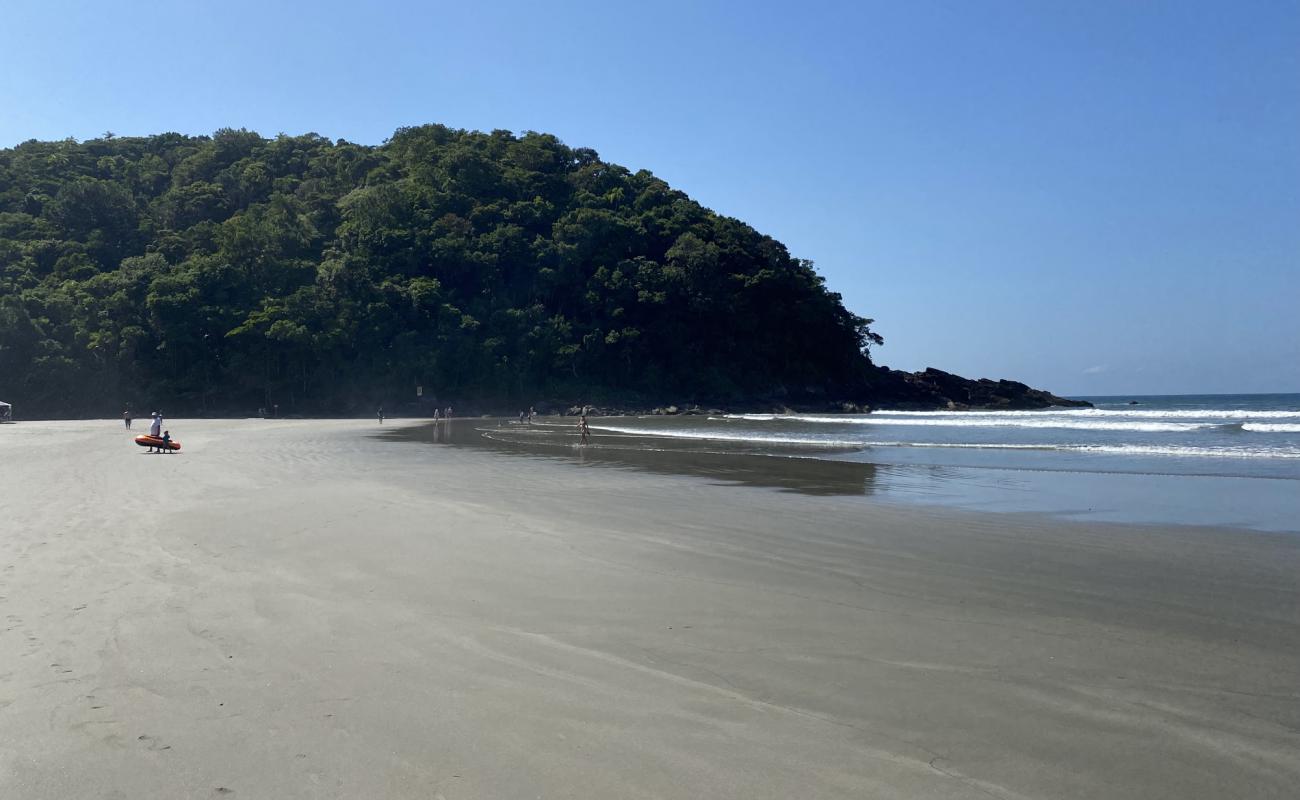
column 438, row 415
column 584, row 430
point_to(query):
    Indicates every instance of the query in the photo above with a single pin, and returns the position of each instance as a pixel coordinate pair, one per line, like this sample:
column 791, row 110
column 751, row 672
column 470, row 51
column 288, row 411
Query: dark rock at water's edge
column 933, row 389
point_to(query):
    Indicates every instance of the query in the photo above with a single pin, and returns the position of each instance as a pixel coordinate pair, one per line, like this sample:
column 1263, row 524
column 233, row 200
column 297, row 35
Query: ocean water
column 1226, row 460
column 1250, row 436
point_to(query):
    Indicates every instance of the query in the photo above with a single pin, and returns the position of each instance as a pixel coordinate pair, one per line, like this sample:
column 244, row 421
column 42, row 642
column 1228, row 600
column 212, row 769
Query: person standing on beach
column 583, row 429
column 126, row 419
column 155, row 430
column 447, row 414
column 380, row 412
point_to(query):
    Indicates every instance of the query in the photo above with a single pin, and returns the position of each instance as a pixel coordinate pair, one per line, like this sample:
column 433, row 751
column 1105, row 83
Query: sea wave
column 1151, row 413
column 987, row 421
column 1115, row 449
column 1176, row 450
column 1120, row 449
column 726, row 437
column 1270, row 427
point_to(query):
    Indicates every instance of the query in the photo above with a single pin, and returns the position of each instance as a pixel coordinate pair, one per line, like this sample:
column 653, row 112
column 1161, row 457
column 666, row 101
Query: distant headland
column 218, row 274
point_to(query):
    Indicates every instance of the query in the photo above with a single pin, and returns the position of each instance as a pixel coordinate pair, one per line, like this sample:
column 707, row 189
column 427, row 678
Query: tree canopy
column 232, row 271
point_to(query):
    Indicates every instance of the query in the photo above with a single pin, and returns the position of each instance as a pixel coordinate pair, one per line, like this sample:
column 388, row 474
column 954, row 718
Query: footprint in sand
column 152, row 743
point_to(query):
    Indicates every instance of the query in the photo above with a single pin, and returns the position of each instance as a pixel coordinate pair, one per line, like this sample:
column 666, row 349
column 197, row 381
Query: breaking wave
column 989, row 421
column 819, row 441
column 1266, row 427
column 809, row 441
column 1149, row 422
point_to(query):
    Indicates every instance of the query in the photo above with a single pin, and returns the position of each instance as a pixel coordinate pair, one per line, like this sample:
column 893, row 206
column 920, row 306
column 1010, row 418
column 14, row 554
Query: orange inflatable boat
column 145, row 440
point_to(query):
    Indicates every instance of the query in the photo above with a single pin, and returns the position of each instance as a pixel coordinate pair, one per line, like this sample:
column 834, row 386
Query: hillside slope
column 229, row 272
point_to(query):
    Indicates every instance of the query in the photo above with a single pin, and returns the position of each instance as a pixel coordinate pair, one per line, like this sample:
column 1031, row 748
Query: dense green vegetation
column 230, row 272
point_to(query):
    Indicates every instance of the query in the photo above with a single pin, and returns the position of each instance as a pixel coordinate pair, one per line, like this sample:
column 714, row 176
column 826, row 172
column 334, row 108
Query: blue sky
column 1098, row 197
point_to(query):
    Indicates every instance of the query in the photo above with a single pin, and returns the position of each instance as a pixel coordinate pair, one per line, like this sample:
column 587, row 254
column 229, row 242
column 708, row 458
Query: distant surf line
column 995, row 422
column 1082, row 413
column 1119, row 449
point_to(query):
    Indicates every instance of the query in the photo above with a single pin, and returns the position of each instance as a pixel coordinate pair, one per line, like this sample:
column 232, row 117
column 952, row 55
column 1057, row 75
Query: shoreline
column 1091, row 491
column 303, row 610
column 1014, row 396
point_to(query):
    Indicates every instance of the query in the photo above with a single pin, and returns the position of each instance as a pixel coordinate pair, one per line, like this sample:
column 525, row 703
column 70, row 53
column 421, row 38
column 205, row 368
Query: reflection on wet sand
column 724, row 462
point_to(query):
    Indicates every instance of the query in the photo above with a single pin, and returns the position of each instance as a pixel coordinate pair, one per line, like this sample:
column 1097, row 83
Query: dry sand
column 299, row 610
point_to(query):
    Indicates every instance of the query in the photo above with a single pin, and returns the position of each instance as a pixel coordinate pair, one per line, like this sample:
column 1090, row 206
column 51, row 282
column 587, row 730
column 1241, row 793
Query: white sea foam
column 990, row 420
column 729, row 437
column 1075, row 419
column 1116, row 449
column 1148, row 413
column 1270, row 427
column 1122, row 449
column 1175, row 450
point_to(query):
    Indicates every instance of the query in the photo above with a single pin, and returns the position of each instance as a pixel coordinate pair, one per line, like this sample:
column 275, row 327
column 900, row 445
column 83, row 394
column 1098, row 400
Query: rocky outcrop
column 935, row 389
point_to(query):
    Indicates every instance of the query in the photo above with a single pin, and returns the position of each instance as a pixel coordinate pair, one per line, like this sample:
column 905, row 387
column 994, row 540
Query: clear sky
column 1093, row 197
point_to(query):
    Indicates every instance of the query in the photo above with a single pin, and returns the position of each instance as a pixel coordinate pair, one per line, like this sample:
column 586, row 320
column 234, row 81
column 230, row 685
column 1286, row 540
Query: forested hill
column 229, row 272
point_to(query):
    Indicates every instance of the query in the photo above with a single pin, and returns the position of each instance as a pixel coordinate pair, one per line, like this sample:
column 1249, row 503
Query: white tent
column 6, row 412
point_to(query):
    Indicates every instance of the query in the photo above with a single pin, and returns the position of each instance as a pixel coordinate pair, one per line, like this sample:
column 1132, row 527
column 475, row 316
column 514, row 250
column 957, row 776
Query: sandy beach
column 300, row 609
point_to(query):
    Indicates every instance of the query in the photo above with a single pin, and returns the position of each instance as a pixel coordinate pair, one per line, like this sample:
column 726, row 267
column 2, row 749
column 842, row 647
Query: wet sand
column 301, row 609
